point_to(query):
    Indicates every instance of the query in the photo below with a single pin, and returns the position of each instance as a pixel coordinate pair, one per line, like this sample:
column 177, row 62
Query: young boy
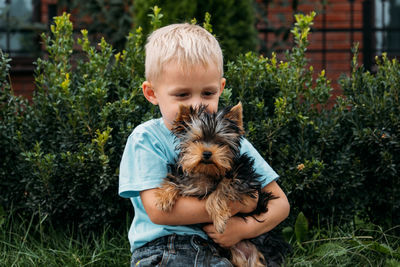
column 184, row 65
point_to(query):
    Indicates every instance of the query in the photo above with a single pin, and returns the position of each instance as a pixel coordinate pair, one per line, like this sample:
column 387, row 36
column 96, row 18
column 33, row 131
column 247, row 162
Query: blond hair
column 186, row 44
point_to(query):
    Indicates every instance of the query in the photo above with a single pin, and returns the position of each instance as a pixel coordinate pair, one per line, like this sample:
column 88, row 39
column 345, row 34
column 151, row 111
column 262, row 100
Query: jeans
column 179, row 251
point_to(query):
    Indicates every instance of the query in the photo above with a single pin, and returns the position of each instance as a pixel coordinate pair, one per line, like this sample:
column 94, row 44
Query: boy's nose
column 196, row 103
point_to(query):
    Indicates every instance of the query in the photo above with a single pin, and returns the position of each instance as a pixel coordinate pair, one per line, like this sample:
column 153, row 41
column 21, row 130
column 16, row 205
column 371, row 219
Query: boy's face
column 201, row 85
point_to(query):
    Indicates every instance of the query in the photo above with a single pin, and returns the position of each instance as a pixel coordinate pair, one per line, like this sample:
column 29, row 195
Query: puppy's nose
column 207, row 155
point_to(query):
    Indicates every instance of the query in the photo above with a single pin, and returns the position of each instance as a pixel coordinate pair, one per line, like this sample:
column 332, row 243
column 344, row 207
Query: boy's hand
column 238, row 229
column 247, row 206
column 232, row 234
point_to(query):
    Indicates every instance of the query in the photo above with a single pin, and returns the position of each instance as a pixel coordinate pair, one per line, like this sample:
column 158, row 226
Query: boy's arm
column 187, row 210
column 238, row 229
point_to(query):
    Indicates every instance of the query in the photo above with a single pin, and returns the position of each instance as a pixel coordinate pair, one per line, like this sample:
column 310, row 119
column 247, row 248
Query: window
column 18, row 27
column 387, row 22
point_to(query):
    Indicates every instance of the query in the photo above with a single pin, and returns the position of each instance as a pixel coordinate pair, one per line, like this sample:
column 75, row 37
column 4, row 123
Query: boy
column 184, row 65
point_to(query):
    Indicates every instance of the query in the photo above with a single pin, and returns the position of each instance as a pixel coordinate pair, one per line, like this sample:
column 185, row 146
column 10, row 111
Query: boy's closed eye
column 206, row 93
column 209, row 93
column 182, row 95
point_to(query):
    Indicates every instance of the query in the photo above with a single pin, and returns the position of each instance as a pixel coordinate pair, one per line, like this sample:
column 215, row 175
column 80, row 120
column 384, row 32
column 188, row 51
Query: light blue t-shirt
column 144, row 164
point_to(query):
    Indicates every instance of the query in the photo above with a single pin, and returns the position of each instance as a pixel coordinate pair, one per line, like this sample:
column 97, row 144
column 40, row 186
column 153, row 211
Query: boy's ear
column 223, row 83
column 149, row 93
column 236, row 115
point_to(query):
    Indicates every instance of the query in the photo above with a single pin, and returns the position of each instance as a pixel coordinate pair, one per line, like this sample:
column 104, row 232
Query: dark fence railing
column 368, row 30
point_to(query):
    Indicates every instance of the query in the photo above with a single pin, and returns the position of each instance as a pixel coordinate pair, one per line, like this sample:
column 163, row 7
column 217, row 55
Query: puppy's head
column 208, row 141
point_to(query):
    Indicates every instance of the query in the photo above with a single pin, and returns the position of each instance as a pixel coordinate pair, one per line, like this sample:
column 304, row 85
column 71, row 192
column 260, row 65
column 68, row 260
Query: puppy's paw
column 219, row 224
column 165, row 205
column 166, row 197
column 220, row 219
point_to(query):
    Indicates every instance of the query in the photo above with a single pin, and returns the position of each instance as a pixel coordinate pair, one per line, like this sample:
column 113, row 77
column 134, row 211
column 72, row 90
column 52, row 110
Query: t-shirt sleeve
column 261, row 166
column 142, row 166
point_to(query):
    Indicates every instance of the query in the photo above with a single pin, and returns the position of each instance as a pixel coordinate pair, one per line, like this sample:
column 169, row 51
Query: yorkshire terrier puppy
column 209, row 166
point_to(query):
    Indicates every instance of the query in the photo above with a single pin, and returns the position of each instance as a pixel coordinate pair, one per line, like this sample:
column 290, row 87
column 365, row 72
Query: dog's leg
column 166, row 196
column 219, row 211
column 217, row 205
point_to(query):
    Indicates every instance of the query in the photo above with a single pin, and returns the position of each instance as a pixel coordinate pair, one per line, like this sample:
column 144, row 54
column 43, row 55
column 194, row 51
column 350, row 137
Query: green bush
column 233, row 21
column 12, row 125
column 335, row 162
column 288, row 121
column 67, row 145
column 373, row 122
column 112, row 20
column 62, row 152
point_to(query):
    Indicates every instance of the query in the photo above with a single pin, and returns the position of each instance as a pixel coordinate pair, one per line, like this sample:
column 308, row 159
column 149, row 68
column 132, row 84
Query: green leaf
column 330, row 249
column 382, row 248
column 392, row 263
column 2, row 216
column 301, row 228
column 288, row 233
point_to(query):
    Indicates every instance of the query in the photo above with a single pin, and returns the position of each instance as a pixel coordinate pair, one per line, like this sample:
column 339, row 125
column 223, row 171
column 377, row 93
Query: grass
column 352, row 245
column 34, row 243
column 25, row 243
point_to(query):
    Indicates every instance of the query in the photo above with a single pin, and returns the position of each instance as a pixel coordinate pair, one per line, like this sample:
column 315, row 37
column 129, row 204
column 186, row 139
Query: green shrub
column 335, row 162
column 373, row 120
column 67, row 150
column 288, row 121
column 12, row 123
column 112, row 20
column 233, row 21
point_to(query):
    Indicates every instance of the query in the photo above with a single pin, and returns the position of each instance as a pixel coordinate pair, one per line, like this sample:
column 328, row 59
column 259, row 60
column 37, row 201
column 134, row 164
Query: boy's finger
column 209, row 228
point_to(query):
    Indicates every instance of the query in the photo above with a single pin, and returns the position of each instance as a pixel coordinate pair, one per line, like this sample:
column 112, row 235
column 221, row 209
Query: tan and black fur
column 210, row 166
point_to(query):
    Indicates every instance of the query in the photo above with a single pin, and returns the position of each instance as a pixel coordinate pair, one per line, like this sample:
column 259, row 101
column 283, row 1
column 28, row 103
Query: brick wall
column 21, row 76
column 44, row 10
column 23, row 84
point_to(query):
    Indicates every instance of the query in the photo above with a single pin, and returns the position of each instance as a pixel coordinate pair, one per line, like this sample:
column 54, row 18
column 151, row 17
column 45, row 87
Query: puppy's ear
column 183, row 114
column 181, row 120
column 236, row 115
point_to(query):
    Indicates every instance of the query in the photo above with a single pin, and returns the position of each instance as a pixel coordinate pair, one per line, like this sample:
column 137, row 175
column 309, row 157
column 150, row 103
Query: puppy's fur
column 210, row 166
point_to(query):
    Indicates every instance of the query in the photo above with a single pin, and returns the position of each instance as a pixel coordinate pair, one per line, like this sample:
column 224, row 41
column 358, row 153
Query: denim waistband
column 175, row 242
